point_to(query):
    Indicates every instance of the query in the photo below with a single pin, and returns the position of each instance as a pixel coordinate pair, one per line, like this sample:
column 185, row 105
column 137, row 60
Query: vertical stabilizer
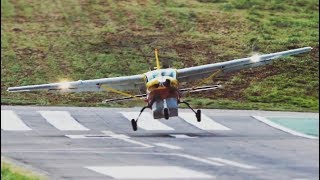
column 157, row 59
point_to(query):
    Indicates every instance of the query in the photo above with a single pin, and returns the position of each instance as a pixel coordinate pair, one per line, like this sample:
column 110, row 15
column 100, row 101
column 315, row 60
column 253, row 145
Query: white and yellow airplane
column 161, row 85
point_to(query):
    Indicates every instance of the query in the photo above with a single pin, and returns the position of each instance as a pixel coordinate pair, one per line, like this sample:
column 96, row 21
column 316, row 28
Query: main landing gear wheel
column 134, row 125
column 134, row 122
column 166, row 113
column 198, row 115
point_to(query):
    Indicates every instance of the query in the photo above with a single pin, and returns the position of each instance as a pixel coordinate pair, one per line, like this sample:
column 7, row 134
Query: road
column 98, row 143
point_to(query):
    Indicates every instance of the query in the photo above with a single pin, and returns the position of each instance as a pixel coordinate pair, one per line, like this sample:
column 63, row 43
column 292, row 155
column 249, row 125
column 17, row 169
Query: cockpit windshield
column 161, row 72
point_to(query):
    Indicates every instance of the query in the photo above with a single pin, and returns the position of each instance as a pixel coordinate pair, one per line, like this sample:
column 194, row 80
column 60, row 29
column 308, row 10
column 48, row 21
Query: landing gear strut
column 198, row 112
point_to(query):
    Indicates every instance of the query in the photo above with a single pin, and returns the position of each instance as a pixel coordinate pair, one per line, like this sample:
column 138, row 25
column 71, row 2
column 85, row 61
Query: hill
column 46, row 41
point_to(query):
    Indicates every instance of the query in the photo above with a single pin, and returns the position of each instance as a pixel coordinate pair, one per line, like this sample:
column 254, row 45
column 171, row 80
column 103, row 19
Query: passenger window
column 173, row 74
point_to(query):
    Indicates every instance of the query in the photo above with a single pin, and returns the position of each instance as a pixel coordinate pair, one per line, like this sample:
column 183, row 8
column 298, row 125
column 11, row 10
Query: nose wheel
column 166, row 113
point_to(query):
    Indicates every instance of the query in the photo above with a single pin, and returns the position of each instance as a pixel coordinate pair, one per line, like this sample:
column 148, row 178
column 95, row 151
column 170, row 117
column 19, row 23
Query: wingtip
column 11, row 89
column 16, row 90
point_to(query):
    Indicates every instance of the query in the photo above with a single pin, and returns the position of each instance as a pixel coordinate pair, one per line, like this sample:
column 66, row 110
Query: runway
column 98, row 143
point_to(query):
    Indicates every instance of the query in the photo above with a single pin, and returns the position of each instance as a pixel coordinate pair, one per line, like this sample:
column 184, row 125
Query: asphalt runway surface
column 99, row 143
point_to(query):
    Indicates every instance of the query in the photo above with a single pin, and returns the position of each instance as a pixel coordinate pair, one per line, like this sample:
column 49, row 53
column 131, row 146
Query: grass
column 11, row 172
column 45, row 41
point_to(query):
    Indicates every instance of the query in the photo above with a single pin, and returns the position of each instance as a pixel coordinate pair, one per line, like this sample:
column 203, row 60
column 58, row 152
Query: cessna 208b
column 161, row 85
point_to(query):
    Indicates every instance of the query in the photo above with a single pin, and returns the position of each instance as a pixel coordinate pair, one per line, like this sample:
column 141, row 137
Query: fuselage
column 162, row 91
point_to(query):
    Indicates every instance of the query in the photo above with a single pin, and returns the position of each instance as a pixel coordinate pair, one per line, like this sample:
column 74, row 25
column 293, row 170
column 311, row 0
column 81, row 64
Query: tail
column 157, row 59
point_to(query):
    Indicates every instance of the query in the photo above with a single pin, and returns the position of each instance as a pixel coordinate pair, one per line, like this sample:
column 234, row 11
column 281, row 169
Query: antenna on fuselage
column 157, row 59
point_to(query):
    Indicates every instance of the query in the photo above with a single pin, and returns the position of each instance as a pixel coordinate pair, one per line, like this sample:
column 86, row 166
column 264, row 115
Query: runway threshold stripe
column 232, row 163
column 149, row 172
column 180, row 136
column 146, row 121
column 62, row 120
column 205, row 124
column 11, row 122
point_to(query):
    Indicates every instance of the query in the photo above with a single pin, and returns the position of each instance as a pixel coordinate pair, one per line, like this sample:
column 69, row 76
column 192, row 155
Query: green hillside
column 46, row 41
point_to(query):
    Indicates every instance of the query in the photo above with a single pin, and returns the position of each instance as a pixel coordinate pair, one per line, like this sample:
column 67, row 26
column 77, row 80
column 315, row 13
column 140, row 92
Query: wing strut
column 127, row 96
column 213, row 75
column 196, row 88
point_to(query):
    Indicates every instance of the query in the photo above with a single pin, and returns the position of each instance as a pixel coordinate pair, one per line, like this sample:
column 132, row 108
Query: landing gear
column 134, row 122
column 166, row 113
column 198, row 115
column 198, row 112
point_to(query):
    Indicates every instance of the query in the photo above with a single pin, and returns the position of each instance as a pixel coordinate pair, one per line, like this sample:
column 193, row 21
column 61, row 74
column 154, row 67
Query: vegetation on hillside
column 10, row 172
column 46, row 41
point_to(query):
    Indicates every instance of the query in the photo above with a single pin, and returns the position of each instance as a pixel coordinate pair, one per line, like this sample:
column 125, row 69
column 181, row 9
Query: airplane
column 163, row 94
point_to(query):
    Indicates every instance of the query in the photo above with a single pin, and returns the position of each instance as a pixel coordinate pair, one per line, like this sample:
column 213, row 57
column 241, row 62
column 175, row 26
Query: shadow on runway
column 186, row 135
column 182, row 134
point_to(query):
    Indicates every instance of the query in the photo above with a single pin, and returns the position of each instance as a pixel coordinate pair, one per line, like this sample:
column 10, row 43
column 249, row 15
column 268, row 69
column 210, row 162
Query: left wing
column 199, row 72
column 119, row 83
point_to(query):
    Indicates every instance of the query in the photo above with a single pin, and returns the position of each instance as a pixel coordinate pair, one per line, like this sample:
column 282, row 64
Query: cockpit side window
column 171, row 73
column 165, row 72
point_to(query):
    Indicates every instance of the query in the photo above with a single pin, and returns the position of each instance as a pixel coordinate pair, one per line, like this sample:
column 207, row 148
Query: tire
column 134, row 125
column 198, row 115
column 166, row 113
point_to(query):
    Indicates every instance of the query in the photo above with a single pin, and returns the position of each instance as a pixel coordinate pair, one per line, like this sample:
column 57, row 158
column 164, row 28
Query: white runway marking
column 167, row 146
column 277, row 126
column 11, row 122
column 62, row 120
column 87, row 136
column 76, row 136
column 125, row 138
column 180, row 136
column 146, row 121
column 195, row 158
column 205, row 124
column 148, row 172
column 103, row 150
column 232, row 163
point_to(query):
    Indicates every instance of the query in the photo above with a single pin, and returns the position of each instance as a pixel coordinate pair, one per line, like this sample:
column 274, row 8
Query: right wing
column 119, row 83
